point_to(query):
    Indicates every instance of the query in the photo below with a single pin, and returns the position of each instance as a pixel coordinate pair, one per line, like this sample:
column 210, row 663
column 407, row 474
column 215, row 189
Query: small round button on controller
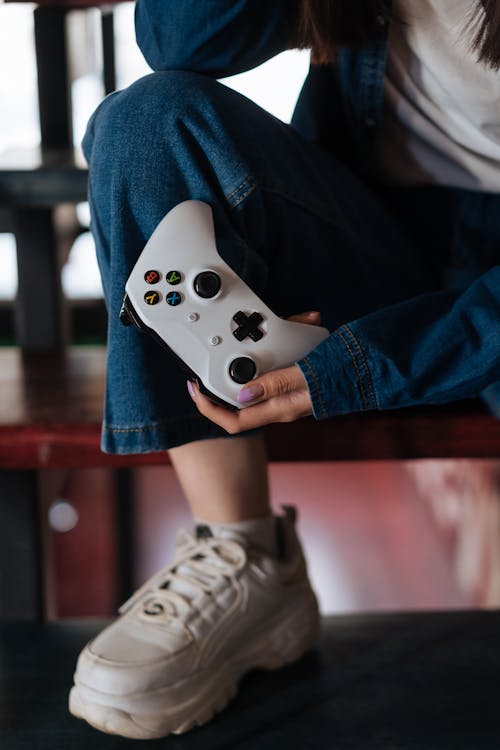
column 207, row 284
column 173, row 277
column 242, row 369
column 173, row 299
column 152, row 277
column 152, row 298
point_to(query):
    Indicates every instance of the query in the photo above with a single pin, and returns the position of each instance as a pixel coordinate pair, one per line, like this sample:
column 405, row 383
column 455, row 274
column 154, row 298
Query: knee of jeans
column 147, row 112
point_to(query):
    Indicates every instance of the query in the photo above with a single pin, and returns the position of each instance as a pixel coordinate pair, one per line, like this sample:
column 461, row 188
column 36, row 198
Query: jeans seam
column 146, row 428
column 244, row 195
column 366, row 369
column 230, row 195
column 249, row 180
column 317, row 388
column 356, row 367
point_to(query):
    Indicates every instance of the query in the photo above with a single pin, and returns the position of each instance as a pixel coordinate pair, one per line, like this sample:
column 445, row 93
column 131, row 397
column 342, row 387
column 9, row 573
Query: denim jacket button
column 381, row 20
column 370, row 122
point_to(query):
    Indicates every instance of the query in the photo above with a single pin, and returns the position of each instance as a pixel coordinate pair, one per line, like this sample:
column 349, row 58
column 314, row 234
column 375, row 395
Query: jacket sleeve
column 216, row 37
column 432, row 349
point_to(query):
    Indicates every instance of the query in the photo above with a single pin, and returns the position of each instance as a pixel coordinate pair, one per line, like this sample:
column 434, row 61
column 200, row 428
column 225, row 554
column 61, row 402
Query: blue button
column 173, row 298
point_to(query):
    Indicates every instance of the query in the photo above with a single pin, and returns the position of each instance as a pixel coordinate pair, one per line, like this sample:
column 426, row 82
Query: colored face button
column 174, row 277
column 151, row 277
column 173, row 298
column 151, row 298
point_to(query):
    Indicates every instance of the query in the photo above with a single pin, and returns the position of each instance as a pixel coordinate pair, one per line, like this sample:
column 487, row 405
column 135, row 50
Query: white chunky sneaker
column 186, row 637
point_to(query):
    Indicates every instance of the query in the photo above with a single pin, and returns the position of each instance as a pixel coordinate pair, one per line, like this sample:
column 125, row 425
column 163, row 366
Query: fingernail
column 191, row 390
column 249, row 393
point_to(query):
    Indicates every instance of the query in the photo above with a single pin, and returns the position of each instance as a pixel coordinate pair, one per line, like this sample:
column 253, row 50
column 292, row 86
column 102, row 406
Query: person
column 376, row 210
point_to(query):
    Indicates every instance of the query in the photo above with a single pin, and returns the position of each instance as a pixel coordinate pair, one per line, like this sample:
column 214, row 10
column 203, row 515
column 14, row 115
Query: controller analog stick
column 242, row 369
column 207, row 284
column 125, row 318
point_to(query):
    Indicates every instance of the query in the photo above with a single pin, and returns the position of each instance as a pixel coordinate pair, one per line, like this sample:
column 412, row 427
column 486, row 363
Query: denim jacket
column 432, row 349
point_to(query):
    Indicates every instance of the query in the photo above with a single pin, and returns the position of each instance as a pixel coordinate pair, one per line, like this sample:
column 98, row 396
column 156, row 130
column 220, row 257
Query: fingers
column 277, row 396
column 263, row 413
column 272, row 384
column 312, row 318
column 283, row 398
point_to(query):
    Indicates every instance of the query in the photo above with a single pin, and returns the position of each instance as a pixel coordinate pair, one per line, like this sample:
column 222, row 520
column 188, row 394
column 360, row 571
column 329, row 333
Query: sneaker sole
column 279, row 646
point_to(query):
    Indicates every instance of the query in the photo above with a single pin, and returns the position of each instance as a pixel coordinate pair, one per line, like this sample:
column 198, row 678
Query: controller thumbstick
column 125, row 318
column 242, row 369
column 207, row 284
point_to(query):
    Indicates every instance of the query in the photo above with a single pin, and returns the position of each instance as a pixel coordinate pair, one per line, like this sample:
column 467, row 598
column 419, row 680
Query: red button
column 152, row 277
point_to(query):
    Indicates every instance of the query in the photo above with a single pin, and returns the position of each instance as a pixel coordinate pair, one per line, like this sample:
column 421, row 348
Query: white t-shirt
column 441, row 119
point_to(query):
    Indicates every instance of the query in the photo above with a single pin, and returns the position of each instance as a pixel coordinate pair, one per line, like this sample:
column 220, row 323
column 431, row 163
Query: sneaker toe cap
column 120, row 661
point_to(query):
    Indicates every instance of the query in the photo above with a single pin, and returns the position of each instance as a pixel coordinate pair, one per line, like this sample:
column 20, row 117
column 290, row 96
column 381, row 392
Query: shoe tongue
column 226, row 533
column 202, row 531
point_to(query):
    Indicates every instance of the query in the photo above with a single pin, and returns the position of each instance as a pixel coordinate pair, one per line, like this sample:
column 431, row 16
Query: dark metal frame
column 42, row 320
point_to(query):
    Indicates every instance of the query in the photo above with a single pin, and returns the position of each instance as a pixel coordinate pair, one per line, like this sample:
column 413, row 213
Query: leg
column 225, row 605
column 302, row 231
column 224, row 480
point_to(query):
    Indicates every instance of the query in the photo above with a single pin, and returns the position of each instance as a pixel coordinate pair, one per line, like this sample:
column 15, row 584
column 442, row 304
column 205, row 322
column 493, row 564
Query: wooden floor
column 376, row 682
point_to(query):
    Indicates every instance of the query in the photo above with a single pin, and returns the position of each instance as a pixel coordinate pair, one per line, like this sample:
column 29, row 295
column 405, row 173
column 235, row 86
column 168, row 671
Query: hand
column 277, row 396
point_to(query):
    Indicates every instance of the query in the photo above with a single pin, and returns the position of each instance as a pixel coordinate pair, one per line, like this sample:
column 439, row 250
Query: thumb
column 274, row 383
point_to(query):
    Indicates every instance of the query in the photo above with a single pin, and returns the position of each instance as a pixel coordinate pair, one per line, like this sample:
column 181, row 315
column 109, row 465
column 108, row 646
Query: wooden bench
column 52, row 407
column 50, row 419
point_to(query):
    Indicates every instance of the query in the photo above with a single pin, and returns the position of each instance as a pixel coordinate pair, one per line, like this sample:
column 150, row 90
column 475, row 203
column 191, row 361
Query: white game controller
column 183, row 294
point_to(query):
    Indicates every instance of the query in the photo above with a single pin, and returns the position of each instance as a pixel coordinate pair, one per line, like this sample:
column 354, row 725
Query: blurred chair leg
column 108, row 50
column 54, row 94
column 124, row 498
column 41, row 315
column 21, row 562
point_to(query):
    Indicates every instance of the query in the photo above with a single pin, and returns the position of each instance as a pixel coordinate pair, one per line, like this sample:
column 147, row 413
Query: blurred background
column 378, row 535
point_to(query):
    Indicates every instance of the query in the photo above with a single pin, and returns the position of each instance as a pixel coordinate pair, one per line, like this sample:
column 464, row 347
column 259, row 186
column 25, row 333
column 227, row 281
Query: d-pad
column 248, row 325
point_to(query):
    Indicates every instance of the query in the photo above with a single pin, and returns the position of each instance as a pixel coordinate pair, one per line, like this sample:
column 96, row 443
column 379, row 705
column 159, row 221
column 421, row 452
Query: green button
column 174, row 277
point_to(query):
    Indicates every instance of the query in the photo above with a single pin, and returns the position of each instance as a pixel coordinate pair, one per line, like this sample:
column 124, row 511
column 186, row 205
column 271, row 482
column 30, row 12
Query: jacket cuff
column 337, row 376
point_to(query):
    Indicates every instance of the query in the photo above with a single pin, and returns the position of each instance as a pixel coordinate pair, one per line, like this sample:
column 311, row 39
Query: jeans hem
column 158, row 437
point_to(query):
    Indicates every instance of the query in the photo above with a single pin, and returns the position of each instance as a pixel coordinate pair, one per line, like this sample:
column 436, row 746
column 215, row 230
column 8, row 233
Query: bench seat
column 51, row 411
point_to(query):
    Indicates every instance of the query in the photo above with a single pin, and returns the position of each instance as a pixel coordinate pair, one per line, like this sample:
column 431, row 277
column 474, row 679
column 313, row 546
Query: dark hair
column 326, row 25
column 486, row 31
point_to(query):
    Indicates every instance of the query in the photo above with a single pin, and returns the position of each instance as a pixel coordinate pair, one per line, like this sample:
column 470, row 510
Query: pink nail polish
column 191, row 390
column 250, row 393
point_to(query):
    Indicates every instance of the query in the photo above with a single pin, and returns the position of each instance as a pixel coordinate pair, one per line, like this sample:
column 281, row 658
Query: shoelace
column 199, row 564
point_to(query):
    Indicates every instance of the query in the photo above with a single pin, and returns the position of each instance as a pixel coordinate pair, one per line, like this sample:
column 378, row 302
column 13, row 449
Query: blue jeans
column 302, row 231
